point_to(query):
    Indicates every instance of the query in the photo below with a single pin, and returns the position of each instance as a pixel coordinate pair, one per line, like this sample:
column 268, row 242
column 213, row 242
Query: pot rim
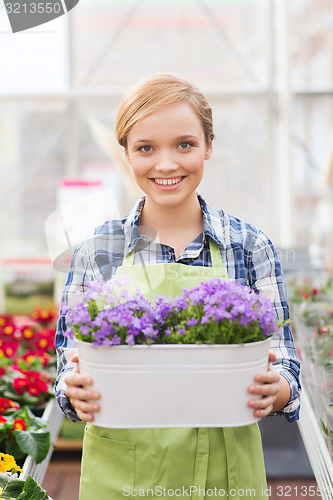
column 173, row 346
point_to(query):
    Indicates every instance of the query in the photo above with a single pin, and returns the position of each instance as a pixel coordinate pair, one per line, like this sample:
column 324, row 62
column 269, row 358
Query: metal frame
column 279, row 99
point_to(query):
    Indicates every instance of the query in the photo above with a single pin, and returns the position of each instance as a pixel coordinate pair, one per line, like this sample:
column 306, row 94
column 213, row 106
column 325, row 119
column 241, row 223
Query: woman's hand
column 273, row 389
column 79, row 396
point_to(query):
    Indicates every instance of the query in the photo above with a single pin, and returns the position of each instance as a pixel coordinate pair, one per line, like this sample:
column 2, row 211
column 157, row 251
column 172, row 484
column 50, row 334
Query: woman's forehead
column 177, row 119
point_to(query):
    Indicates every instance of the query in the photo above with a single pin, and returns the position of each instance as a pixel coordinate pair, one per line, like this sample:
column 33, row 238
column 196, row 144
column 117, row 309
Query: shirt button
column 170, row 254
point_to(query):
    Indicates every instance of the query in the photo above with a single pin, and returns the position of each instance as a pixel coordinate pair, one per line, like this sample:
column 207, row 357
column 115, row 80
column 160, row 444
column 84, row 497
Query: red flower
column 6, row 404
column 315, row 291
column 37, row 388
column 44, row 357
column 325, row 329
column 19, row 424
column 5, row 319
column 27, row 332
column 20, row 384
column 44, row 315
column 35, row 383
column 29, row 357
column 3, row 420
column 306, row 295
column 9, row 330
column 2, row 371
column 9, row 349
column 45, row 339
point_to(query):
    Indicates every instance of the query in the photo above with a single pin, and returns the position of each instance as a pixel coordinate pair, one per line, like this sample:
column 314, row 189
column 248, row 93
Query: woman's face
column 167, row 151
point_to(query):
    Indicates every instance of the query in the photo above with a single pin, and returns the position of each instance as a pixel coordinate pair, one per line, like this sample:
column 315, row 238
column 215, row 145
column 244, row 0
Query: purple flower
column 217, row 311
column 192, row 322
column 84, row 330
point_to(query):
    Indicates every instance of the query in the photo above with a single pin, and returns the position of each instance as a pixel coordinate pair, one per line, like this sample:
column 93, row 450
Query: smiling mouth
column 168, row 182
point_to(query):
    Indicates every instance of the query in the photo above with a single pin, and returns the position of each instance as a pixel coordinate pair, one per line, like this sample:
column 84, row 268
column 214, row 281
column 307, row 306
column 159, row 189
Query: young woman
column 165, row 125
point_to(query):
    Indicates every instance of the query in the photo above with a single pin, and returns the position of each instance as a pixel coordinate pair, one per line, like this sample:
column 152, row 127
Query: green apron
column 197, row 463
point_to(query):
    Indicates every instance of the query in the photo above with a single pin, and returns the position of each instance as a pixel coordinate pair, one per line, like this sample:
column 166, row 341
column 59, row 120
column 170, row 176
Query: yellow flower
column 7, row 463
column 1, row 490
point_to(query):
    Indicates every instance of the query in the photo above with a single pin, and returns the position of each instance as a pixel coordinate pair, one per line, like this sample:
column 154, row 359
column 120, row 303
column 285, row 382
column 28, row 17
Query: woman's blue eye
column 146, row 149
column 184, row 145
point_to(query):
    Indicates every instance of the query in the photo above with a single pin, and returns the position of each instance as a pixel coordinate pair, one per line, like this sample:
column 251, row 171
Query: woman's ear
column 209, row 150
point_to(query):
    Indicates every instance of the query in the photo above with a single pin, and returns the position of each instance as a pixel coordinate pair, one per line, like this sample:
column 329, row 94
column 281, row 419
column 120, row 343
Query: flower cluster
column 27, row 371
column 305, row 290
column 14, row 488
column 321, row 349
column 8, row 464
column 312, row 312
column 215, row 312
column 220, row 312
column 21, row 432
column 106, row 314
column 27, row 357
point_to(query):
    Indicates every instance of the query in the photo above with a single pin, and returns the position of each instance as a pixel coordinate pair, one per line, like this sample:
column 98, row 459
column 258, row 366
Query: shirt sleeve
column 266, row 277
column 79, row 274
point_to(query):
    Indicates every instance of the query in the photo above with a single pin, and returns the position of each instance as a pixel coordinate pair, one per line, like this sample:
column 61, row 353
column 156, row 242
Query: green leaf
column 11, row 486
column 36, row 444
column 324, row 428
column 12, row 448
column 93, row 309
column 34, row 422
column 32, row 491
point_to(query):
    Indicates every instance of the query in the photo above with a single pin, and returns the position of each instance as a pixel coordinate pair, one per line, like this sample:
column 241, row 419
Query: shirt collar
column 212, row 224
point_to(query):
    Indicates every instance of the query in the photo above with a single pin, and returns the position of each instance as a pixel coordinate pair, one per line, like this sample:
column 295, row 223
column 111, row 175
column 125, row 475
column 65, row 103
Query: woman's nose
column 166, row 161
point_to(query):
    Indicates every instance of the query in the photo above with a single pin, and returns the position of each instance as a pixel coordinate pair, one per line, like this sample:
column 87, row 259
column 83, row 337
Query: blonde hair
column 155, row 91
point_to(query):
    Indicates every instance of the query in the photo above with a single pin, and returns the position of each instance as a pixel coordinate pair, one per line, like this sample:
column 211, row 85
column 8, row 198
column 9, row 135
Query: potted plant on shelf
column 177, row 362
column 14, row 488
column 21, row 432
column 312, row 313
column 27, row 358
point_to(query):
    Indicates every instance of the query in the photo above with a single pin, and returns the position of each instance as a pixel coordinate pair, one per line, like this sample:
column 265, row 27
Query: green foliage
column 33, row 440
column 14, row 488
column 35, row 444
column 11, row 486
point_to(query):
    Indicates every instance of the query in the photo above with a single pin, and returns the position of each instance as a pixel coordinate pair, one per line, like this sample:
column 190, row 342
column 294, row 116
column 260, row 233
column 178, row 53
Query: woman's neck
column 176, row 225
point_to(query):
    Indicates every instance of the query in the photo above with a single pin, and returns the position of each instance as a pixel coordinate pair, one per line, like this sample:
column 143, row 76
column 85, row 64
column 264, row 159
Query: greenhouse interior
column 265, row 67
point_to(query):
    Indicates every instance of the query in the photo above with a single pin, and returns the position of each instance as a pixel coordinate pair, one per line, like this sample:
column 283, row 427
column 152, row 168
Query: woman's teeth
column 168, row 182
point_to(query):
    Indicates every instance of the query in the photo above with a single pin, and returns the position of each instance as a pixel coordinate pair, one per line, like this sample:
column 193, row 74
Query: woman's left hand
column 267, row 387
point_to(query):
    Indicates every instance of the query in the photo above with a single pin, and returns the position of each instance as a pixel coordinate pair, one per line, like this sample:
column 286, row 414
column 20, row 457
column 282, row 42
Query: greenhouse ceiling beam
column 284, row 125
column 228, row 43
column 111, row 43
column 118, row 93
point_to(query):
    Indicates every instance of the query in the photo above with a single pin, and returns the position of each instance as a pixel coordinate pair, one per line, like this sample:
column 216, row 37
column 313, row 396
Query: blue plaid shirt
column 247, row 253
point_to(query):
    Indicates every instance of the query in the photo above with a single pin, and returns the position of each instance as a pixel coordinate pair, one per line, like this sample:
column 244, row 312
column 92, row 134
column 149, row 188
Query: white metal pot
column 173, row 385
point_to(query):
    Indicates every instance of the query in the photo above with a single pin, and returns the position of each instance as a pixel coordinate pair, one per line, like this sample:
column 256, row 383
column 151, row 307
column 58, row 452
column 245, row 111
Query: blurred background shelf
column 316, row 447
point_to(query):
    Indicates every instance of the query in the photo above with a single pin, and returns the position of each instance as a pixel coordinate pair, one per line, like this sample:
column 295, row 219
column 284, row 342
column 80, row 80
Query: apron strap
column 129, row 259
column 215, row 255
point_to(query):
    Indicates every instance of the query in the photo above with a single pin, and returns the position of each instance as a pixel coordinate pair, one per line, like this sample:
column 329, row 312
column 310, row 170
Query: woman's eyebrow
column 142, row 140
column 188, row 136
column 180, row 138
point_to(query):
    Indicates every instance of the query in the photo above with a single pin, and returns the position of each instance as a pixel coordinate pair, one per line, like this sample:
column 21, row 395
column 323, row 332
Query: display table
column 316, row 447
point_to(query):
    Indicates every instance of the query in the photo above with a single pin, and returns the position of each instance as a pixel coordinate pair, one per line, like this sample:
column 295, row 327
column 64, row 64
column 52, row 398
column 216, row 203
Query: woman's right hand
column 80, row 397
